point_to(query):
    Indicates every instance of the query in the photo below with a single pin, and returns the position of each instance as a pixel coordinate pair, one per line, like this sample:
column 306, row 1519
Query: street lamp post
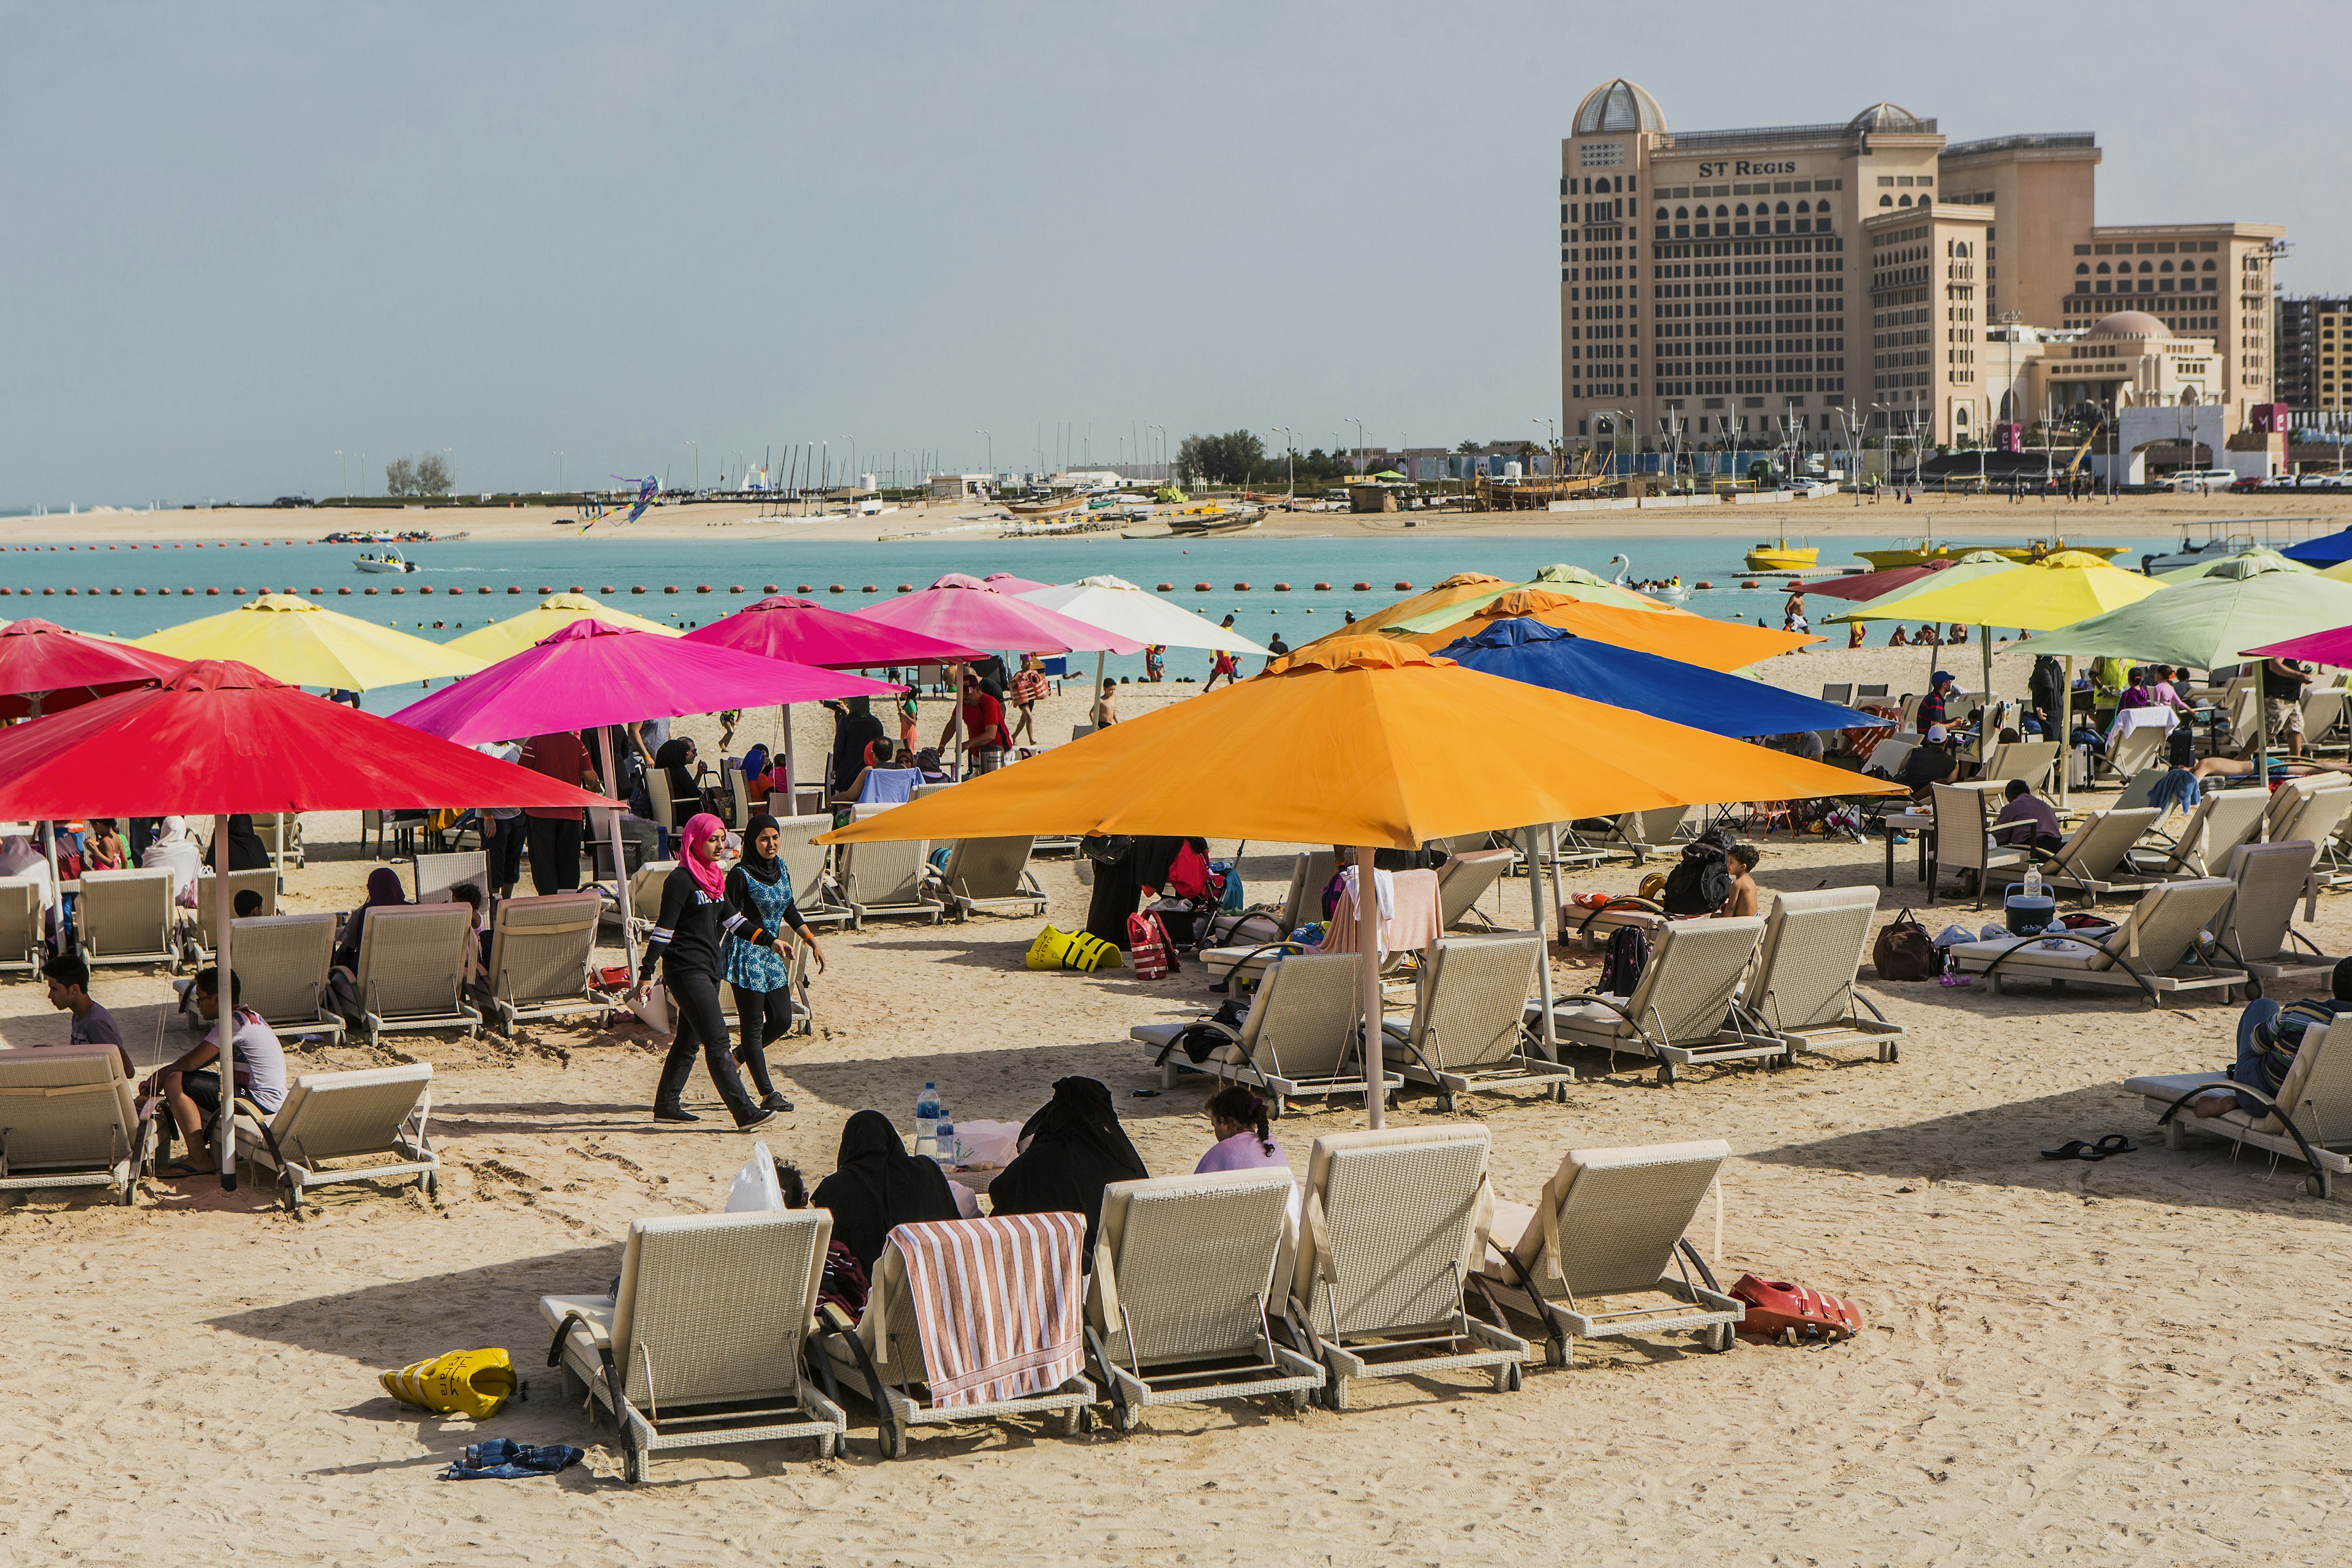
column 992, row 456
column 451, row 453
column 698, row 464
column 362, row 468
column 1290, row 463
column 559, row 473
column 347, row 475
column 1357, row 466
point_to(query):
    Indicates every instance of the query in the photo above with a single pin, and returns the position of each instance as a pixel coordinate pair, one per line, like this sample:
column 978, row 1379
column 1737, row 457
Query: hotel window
column 1889, row 201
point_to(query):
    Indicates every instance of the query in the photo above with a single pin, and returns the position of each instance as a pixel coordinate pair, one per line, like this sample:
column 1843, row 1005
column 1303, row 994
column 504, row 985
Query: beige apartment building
column 1734, row 283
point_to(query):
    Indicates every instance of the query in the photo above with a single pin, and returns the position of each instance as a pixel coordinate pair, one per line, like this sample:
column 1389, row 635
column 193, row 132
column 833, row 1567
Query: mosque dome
column 2129, row 324
column 1619, row 105
column 1887, row 117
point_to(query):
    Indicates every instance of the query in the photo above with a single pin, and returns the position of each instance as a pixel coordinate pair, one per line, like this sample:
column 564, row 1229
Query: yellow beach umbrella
column 1460, row 588
column 2038, row 596
column 1569, row 582
column 1359, row 741
column 504, row 639
column 303, row 644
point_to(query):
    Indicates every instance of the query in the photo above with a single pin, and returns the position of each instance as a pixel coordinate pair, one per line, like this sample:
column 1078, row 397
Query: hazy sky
column 241, row 236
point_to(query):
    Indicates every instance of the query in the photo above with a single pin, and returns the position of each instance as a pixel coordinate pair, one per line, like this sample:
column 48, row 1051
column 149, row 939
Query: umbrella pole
column 224, row 915
column 2065, row 720
column 1984, row 740
column 1543, row 944
column 1368, row 962
column 792, row 770
column 628, row 932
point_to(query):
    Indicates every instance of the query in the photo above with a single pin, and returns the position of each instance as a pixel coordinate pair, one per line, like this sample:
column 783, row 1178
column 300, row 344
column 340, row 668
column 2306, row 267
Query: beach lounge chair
column 1964, row 840
column 127, row 917
column 2311, row 807
column 990, row 876
column 24, row 941
column 1601, row 1252
column 813, row 888
column 2258, row 933
column 541, row 949
column 2224, row 819
column 412, row 969
column 436, row 877
column 1297, row 1039
column 2139, row 789
column 1463, row 879
column 2323, row 712
column 1886, row 757
column 2154, row 951
column 281, row 834
column 1393, row 1223
column 2095, row 859
column 1226, row 939
column 932, row 1352
column 281, row 963
column 1468, row 1028
column 1839, row 692
column 2029, row 760
column 2316, row 1097
column 1642, row 832
column 1801, row 990
column 705, row 1340
column 885, row 879
column 644, row 911
column 264, row 881
column 923, row 791
column 68, row 1120
column 1680, row 1012
column 1080, row 732
column 1177, row 1306
column 2136, row 749
column 375, row 1117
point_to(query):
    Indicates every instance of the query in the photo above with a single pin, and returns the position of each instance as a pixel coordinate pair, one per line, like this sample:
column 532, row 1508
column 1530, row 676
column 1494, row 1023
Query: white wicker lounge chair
column 2317, row 1097
column 704, row 1341
column 541, row 949
column 2224, row 819
column 990, row 876
column 887, row 878
column 1177, row 1306
column 68, row 1120
column 1642, row 832
column 2095, row 859
column 1801, row 991
column 127, row 917
column 1463, row 879
column 2154, row 951
column 1468, row 1030
column 412, row 969
column 806, row 862
column 2259, row 931
column 2029, row 760
column 375, row 1116
column 24, row 941
column 884, row 1348
column 1297, row 1040
column 645, row 896
column 2312, row 807
column 1602, row 1254
column 1963, row 839
column 264, row 881
column 1393, row 1224
column 282, row 962
column 436, row 877
column 1680, row 1012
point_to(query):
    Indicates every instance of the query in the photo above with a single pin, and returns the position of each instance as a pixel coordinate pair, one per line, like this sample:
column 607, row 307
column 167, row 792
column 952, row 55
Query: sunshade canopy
column 965, row 610
column 1364, row 740
column 1868, row 585
column 2328, row 549
column 1461, row 588
column 2212, row 620
column 2319, row 647
column 1572, row 582
column 806, row 632
column 2191, row 572
column 298, row 642
column 1530, row 651
column 43, row 662
column 1006, row 583
column 1893, row 603
column 502, row 640
column 2055, row 591
column 1114, row 605
column 1694, row 639
column 222, row 737
column 589, row 673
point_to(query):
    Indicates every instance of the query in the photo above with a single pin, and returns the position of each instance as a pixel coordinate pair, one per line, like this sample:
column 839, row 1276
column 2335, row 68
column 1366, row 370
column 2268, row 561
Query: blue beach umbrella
column 1729, row 705
column 2328, row 549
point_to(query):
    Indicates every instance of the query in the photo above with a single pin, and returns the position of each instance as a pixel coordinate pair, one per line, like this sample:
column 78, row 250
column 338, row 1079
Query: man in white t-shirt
column 190, row 1085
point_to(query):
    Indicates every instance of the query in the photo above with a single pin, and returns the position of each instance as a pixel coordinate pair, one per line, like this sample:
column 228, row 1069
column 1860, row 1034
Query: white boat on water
column 390, row 561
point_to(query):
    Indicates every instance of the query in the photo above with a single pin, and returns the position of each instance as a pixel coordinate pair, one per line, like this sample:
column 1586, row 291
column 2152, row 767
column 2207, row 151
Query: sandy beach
column 2132, row 1359
column 1830, row 518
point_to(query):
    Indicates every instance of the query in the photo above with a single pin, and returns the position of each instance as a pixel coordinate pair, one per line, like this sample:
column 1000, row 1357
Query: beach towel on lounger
column 997, row 1301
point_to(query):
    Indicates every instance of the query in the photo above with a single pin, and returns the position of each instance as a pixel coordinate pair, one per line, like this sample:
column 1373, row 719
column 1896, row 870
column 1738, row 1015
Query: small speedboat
column 389, row 560
column 1779, row 555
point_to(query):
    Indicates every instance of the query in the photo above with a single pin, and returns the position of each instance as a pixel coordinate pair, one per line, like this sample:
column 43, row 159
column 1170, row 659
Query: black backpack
column 1622, row 962
column 1701, row 881
column 2180, row 747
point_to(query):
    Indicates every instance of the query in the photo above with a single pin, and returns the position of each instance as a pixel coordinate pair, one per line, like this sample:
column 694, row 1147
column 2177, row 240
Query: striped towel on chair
column 997, row 1301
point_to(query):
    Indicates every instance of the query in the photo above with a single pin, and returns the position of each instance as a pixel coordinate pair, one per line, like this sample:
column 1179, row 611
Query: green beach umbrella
column 1574, row 581
column 2191, row 574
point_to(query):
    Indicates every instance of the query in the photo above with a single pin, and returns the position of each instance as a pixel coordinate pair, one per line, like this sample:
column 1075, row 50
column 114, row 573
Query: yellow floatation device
column 463, row 1383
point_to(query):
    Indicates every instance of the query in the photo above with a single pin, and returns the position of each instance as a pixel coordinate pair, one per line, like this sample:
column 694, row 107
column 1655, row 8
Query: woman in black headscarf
column 246, row 852
column 854, row 728
column 1076, row 1149
column 674, row 771
column 878, row 1186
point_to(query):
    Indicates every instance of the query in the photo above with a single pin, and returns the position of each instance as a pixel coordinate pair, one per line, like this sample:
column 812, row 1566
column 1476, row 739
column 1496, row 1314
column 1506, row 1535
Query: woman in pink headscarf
column 690, row 940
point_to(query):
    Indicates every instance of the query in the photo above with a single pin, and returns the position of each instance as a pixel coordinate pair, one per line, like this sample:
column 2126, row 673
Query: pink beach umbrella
column 1006, row 583
column 806, row 632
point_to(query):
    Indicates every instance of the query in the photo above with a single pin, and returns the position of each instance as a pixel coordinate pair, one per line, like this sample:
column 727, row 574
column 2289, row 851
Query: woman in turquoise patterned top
column 760, row 922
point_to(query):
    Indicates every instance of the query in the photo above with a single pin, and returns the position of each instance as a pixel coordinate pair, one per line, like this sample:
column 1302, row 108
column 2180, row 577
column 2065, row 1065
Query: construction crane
column 2084, row 450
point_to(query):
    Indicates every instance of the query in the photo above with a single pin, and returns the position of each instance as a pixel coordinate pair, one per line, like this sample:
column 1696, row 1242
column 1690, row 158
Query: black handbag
column 1107, row 849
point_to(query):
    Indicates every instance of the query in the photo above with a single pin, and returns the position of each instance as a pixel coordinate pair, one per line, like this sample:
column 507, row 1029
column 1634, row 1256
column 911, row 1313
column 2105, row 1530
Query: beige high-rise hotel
column 1722, row 284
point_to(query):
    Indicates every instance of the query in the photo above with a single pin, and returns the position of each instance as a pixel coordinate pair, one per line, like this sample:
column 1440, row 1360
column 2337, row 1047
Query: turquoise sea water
column 458, row 572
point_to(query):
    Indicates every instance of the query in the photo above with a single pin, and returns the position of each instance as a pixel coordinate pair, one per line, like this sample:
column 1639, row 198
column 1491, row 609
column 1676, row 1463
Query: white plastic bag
column 987, row 1143
column 755, row 1189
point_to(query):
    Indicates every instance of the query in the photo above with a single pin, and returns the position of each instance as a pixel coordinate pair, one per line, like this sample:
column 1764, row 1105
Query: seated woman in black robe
column 877, row 1185
column 1076, row 1149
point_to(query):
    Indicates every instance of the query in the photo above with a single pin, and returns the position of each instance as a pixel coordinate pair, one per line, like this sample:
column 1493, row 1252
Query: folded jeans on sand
column 504, row 1459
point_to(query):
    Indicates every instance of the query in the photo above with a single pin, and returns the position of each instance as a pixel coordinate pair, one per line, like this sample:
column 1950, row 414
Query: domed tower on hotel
column 1735, row 286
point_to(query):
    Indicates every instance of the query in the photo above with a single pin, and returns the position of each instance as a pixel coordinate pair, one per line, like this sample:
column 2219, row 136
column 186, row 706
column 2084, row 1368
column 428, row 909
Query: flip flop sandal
column 2115, row 1143
column 2074, row 1148
column 180, row 1170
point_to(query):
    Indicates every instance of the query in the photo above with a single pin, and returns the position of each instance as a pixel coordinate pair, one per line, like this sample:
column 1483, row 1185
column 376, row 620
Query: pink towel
column 997, row 1300
column 1417, row 922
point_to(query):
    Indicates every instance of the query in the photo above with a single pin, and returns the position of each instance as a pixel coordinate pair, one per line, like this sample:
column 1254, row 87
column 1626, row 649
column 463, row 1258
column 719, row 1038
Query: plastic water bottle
column 2032, row 881
column 927, row 1119
column 944, row 1141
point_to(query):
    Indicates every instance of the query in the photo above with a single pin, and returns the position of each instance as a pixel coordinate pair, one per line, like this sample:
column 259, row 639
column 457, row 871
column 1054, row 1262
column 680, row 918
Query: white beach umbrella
column 1115, row 605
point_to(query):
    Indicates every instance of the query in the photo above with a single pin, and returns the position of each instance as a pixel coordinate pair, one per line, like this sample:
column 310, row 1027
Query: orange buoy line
column 1363, row 588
